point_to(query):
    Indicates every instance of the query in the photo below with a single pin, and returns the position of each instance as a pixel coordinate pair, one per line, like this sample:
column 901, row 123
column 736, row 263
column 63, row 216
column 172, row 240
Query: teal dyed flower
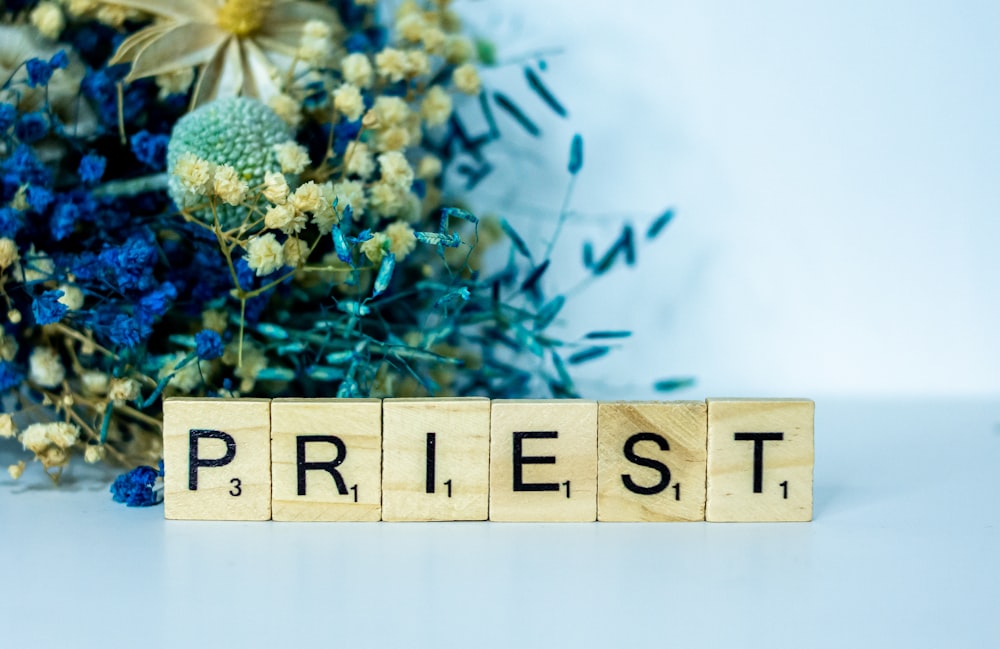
column 239, row 132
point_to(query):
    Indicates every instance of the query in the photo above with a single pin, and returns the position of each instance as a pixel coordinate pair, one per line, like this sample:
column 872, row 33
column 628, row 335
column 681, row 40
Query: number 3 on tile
column 237, row 489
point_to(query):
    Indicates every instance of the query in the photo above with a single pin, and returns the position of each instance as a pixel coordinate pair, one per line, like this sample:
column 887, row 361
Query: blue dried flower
column 63, row 220
column 47, row 308
column 10, row 376
column 11, row 222
column 91, row 168
column 136, row 488
column 150, row 149
column 39, row 198
column 39, row 72
column 59, row 60
column 31, row 127
column 208, row 345
column 125, row 331
column 8, row 113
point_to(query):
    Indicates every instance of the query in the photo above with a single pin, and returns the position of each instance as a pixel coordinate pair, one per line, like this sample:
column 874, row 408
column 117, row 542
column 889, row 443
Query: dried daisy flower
column 237, row 45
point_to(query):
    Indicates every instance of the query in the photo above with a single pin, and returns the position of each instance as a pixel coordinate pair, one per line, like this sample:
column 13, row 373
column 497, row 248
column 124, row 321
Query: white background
column 834, row 168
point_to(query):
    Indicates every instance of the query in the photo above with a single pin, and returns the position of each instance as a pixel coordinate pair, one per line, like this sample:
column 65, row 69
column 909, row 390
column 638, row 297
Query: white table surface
column 903, row 552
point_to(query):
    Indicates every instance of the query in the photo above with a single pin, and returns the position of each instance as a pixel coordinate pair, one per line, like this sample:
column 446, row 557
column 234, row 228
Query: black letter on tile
column 631, row 456
column 520, row 460
column 194, row 462
column 758, row 440
column 431, row 439
column 330, row 467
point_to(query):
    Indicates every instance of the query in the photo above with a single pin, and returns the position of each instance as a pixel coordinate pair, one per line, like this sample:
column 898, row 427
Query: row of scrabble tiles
column 477, row 459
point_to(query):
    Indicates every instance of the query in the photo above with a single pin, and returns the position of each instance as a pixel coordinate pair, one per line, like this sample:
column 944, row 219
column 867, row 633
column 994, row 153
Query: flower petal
column 184, row 46
column 131, row 46
column 202, row 11
column 259, row 73
column 223, row 76
column 300, row 12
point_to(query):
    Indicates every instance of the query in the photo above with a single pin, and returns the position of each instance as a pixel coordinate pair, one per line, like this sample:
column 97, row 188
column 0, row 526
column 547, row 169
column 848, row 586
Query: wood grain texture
column 460, row 459
column 557, row 440
column 238, row 490
column 670, row 433
column 348, row 431
column 775, row 434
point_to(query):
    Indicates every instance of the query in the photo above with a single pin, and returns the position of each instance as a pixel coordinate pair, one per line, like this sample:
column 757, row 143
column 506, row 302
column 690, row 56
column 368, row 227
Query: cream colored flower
column 396, row 171
column 358, row 160
column 436, row 106
column 123, row 389
column 48, row 19
column 285, row 107
column 385, row 199
column 194, row 173
column 433, row 40
column 417, row 63
column 175, row 82
column 348, row 101
column 7, row 429
column 292, row 157
column 16, row 470
column 307, row 197
column 281, row 217
column 38, row 437
column 294, row 252
column 374, row 248
column 187, row 378
column 466, row 79
column 239, row 46
column 8, row 253
column 93, row 454
column 395, row 138
column 350, row 193
column 391, row 64
column 324, row 216
column 411, row 27
column 95, row 382
column 72, row 297
column 401, row 239
column 229, row 186
column 429, row 167
column 275, row 187
column 357, row 70
column 458, row 50
column 214, row 319
column 264, row 254
column 45, row 368
column 390, row 111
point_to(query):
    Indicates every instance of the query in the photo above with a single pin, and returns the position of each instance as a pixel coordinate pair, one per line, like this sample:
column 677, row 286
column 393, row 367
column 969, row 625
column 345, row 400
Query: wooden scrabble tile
column 326, row 459
column 217, row 459
column 651, row 460
column 435, row 459
column 760, row 460
column 543, row 460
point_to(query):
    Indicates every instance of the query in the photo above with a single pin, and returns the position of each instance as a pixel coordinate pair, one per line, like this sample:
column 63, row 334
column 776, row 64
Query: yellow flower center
column 242, row 17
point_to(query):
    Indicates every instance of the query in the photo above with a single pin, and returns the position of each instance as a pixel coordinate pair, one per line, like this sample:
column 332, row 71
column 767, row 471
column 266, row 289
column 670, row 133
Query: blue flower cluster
column 136, row 488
